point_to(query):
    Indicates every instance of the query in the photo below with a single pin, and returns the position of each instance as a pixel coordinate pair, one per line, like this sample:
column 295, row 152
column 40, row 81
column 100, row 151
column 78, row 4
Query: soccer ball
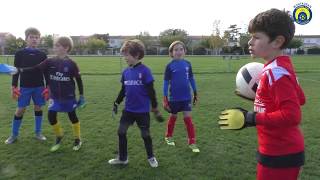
column 248, row 78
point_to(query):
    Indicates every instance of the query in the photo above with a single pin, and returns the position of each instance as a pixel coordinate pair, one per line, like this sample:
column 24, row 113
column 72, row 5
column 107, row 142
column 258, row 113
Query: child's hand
column 15, row 93
column 115, row 110
column 45, row 93
column 81, row 102
column 165, row 104
column 157, row 115
column 236, row 119
column 195, row 99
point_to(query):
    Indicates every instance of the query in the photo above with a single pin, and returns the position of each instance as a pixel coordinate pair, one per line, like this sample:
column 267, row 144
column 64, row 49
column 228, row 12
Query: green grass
column 224, row 154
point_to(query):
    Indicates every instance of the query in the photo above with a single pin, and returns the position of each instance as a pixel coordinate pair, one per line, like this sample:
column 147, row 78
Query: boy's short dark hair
column 31, row 30
column 134, row 47
column 66, row 42
column 274, row 23
column 175, row 43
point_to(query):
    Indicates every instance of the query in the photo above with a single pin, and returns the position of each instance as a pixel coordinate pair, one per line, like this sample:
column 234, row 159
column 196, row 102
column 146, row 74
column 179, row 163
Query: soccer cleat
column 40, row 137
column 117, row 161
column 11, row 139
column 169, row 141
column 153, row 162
column 57, row 145
column 77, row 144
column 194, row 148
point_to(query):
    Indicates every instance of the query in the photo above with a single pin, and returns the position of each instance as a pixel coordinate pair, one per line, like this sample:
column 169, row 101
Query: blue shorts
column 62, row 106
column 28, row 93
column 179, row 106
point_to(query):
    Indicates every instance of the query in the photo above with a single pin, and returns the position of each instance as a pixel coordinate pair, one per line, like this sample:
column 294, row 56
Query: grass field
column 224, row 154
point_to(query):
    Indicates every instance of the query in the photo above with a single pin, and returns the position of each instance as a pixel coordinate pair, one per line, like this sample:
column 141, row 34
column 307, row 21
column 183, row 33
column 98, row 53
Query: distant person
column 178, row 77
column 137, row 88
column 29, row 85
column 62, row 71
column 277, row 105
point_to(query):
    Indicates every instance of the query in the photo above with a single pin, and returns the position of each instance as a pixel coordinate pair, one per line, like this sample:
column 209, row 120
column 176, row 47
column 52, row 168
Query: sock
column 57, row 129
column 170, row 125
column 76, row 130
column 38, row 121
column 16, row 123
column 190, row 129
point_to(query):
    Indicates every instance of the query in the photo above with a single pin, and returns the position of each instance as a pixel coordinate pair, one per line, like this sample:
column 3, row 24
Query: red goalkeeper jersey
column 277, row 103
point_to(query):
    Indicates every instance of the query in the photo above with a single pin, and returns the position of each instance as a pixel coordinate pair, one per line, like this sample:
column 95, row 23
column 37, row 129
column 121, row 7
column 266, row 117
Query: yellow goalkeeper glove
column 236, row 118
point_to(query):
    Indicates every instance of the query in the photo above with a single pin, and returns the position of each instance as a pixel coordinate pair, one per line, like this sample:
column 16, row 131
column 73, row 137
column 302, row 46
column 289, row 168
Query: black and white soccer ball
column 247, row 79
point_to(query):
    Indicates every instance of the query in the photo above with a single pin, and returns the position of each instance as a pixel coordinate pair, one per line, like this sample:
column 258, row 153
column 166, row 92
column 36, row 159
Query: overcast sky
column 130, row 17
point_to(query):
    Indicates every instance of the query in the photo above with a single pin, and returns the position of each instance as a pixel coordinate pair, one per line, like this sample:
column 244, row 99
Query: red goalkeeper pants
column 267, row 173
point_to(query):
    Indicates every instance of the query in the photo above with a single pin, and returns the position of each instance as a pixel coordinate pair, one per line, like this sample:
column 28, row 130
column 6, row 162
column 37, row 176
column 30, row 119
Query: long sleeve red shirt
column 277, row 103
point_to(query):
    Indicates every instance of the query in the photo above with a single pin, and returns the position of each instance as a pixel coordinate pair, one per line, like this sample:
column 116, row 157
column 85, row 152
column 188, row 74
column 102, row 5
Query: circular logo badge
column 302, row 13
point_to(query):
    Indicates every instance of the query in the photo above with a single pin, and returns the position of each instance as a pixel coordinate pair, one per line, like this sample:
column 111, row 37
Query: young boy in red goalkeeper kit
column 278, row 101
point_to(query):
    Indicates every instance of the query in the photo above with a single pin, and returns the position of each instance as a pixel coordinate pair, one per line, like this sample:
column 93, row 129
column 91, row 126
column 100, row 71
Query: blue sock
column 16, row 123
column 38, row 121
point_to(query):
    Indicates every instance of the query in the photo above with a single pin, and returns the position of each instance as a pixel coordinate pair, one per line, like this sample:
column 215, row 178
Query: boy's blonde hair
column 31, row 30
column 175, row 43
column 66, row 42
column 134, row 47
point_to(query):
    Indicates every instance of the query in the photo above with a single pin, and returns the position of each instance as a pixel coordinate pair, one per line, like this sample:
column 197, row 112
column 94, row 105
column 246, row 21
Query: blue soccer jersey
column 178, row 75
column 134, row 79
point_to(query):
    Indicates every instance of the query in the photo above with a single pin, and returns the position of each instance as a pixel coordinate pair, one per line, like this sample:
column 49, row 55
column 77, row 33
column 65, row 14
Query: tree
column 234, row 32
column 205, row 42
column 231, row 35
column 20, row 43
column 145, row 38
column 244, row 39
column 170, row 35
column 47, row 41
column 214, row 42
column 95, row 45
column 13, row 44
column 294, row 43
column 104, row 37
column 147, row 41
column 199, row 50
column 226, row 37
column 79, row 48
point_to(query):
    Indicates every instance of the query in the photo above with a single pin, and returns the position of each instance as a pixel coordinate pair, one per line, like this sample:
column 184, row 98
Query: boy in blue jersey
column 178, row 75
column 137, row 87
column 62, row 71
column 31, row 85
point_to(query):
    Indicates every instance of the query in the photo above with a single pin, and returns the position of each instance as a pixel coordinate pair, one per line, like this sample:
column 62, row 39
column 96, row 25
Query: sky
column 130, row 17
